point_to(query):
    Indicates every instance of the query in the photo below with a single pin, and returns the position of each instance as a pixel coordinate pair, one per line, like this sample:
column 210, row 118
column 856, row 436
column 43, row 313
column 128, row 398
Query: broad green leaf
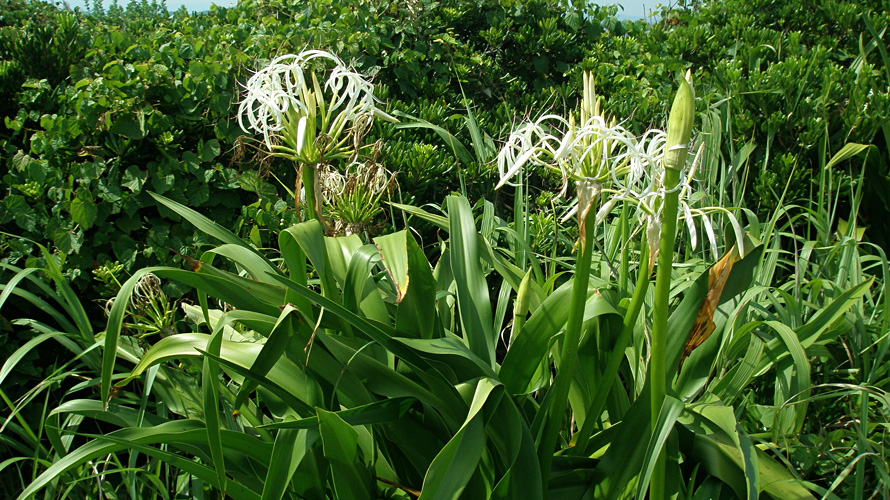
column 667, row 417
column 130, row 125
column 417, row 313
column 394, row 249
column 340, row 441
column 295, row 260
column 375, row 331
column 210, row 385
column 83, row 211
column 382, row 379
column 210, row 150
column 709, row 415
column 737, row 378
column 68, row 240
column 510, row 435
column 453, row 467
column 340, row 251
column 271, row 352
column 283, row 390
column 286, row 453
column 309, row 236
column 800, row 379
column 720, row 458
column 683, row 316
column 531, row 344
column 360, row 291
column 474, row 306
column 237, row 291
column 378, row 412
column 249, row 259
column 452, row 351
column 285, row 373
column 117, row 415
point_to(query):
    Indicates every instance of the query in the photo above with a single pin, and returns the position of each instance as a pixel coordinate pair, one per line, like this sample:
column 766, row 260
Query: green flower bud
column 679, row 129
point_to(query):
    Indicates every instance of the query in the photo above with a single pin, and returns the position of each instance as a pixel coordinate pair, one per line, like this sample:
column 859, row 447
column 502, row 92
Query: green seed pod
column 680, row 127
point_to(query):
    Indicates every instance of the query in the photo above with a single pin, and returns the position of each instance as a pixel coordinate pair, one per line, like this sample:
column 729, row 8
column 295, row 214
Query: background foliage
column 102, row 106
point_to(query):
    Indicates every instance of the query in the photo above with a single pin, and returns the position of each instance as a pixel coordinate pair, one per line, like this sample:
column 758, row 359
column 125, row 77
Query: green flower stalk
column 676, row 148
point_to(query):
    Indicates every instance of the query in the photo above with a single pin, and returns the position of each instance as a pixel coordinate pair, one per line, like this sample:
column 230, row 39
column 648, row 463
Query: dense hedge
column 101, row 107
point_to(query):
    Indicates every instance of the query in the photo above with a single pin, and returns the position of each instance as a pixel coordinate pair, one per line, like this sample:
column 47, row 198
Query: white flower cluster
column 608, row 159
column 288, row 88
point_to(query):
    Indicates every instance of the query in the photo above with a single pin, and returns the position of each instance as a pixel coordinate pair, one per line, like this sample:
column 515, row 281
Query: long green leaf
column 474, row 305
column 271, row 352
column 378, row 412
column 848, row 151
column 282, row 466
column 531, row 344
column 452, row 468
column 115, row 324
column 667, row 417
column 350, row 477
column 176, row 432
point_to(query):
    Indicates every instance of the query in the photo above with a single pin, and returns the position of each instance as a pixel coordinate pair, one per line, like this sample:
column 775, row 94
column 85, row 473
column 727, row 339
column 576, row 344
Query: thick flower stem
column 676, row 148
column 617, row 354
column 309, row 174
column 657, row 368
column 569, row 353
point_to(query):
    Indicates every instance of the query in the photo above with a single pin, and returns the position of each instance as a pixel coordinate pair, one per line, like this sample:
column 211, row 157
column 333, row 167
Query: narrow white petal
column 521, row 160
column 739, row 236
column 709, row 230
column 690, row 224
column 301, row 133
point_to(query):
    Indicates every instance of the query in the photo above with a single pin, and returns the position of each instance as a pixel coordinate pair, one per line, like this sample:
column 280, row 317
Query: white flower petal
column 709, row 230
column 301, row 134
column 690, row 225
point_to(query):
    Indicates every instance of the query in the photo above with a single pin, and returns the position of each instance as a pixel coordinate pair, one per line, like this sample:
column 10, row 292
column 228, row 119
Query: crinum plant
column 601, row 156
column 305, row 121
column 609, row 165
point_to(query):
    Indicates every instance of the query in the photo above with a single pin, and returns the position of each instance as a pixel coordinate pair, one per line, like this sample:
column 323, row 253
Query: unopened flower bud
column 679, row 129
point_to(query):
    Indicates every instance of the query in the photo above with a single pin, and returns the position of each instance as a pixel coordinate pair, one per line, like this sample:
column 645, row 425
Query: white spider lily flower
column 285, row 103
column 594, row 150
column 650, row 202
column 599, row 155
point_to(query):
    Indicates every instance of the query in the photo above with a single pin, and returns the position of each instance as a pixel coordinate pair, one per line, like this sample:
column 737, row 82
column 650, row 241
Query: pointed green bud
column 680, row 127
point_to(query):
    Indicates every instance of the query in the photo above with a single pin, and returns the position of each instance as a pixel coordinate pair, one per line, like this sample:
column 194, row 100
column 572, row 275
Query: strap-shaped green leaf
column 351, row 478
column 173, row 433
column 271, row 352
column 378, row 412
column 453, row 467
column 474, row 305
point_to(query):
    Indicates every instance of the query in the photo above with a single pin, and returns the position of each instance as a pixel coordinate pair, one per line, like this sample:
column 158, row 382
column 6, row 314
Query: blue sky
column 632, row 8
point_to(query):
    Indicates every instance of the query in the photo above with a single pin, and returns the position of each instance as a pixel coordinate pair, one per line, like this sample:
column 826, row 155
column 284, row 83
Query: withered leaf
column 704, row 321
